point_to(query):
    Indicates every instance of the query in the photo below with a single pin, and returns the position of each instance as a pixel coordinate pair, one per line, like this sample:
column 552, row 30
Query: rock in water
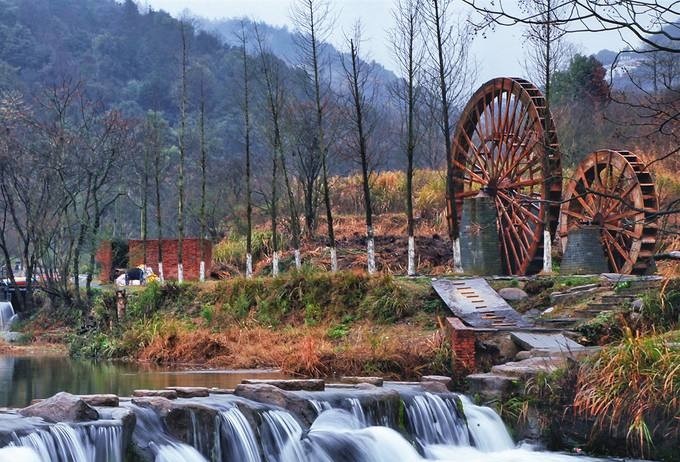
column 269, row 394
column 512, row 294
column 62, row 407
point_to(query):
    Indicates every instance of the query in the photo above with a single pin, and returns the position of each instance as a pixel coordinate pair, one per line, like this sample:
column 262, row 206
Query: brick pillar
column 462, row 344
column 104, row 257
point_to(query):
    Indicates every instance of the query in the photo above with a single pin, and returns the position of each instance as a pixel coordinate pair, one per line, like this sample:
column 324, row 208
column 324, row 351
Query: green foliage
column 584, row 81
column 208, row 313
column 338, row 331
column 603, row 328
column 390, row 299
column 661, row 309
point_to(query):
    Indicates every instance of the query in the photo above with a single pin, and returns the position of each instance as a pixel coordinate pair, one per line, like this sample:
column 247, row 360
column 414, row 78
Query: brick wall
column 191, row 256
column 462, row 344
column 104, row 259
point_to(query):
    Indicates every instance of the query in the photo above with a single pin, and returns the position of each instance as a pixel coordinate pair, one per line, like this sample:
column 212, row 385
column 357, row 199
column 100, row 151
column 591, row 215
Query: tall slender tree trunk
column 145, row 195
column 203, row 167
column 547, row 155
column 321, row 141
column 452, row 212
column 294, row 216
column 246, row 121
column 357, row 96
column 159, row 212
column 182, row 155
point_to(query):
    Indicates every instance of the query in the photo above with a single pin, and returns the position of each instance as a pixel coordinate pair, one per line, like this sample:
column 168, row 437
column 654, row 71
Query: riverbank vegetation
column 625, row 399
column 308, row 323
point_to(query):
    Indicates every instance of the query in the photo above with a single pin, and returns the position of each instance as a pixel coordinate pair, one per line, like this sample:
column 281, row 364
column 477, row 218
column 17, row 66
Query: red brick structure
column 104, row 258
column 462, row 344
column 191, row 258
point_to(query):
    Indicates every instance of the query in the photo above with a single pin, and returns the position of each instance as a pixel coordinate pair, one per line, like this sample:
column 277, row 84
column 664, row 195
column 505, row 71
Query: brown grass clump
column 633, row 389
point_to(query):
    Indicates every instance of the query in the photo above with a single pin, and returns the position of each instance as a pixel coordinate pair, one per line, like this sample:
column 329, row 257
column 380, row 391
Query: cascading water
column 7, row 316
column 150, row 436
column 435, row 420
column 61, row 442
column 238, row 443
column 444, row 427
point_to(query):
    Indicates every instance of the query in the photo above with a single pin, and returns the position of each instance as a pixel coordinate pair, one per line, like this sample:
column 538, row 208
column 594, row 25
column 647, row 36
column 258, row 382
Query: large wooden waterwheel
column 612, row 190
column 505, row 143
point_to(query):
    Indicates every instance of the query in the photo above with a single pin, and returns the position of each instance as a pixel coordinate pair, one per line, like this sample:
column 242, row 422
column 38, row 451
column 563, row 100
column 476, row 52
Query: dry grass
column 400, row 351
column 633, row 389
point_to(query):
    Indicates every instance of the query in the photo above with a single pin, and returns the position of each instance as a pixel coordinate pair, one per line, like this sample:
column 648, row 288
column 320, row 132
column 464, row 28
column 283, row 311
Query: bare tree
column 408, row 51
column 357, row 75
column 184, row 29
column 203, row 148
column 243, row 41
column 274, row 96
column 155, row 126
column 448, row 67
column 314, row 22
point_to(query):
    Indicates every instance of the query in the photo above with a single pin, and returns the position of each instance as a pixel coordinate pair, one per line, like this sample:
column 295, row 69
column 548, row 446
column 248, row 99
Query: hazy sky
column 500, row 54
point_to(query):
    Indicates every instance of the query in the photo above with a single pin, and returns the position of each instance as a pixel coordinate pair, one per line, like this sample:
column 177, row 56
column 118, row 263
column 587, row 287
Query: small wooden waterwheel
column 612, row 190
column 505, row 143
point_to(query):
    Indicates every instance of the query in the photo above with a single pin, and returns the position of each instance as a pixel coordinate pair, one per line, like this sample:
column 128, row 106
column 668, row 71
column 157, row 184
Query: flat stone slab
column 477, row 304
column 102, row 400
column 491, row 385
column 376, row 381
column 221, row 391
column 168, row 394
column 190, row 392
column 290, row 385
column 547, row 342
column 529, row 367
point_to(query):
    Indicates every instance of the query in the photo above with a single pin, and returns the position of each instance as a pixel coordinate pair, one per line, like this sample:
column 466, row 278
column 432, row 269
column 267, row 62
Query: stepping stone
column 290, row 385
column 546, row 342
column 101, row 400
column 376, row 381
column 190, row 392
column 169, row 394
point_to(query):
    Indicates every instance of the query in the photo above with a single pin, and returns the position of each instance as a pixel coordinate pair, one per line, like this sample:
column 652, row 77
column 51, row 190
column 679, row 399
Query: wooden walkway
column 478, row 305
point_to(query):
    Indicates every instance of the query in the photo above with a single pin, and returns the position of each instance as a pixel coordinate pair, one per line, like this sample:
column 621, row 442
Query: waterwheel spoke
column 480, row 161
column 473, row 175
column 620, row 250
column 575, row 214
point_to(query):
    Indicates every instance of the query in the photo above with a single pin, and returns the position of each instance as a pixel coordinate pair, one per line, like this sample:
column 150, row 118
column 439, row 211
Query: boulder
column 492, row 386
column 168, row 394
column 443, row 379
column 101, row 400
column 512, row 294
column 434, row 387
column 270, row 394
column 377, row 381
column 62, row 407
column 190, row 392
column 290, row 385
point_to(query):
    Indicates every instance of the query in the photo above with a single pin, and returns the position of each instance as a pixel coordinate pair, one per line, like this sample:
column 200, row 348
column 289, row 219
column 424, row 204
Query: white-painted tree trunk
column 180, row 273
column 298, row 259
column 334, row 259
column 161, row 277
column 411, row 271
column 249, row 265
column 457, row 264
column 201, row 272
column 275, row 264
column 370, row 248
column 547, row 252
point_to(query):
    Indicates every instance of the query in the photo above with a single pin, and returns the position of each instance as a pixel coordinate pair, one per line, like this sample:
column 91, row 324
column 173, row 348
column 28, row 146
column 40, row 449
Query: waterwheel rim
column 505, row 142
column 613, row 191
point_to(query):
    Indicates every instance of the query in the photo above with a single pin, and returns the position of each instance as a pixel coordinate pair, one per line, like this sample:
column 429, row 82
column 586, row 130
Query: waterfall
column 237, row 440
column 61, row 442
column 280, row 431
column 7, row 316
column 435, row 420
column 486, row 427
column 358, row 411
column 150, row 435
